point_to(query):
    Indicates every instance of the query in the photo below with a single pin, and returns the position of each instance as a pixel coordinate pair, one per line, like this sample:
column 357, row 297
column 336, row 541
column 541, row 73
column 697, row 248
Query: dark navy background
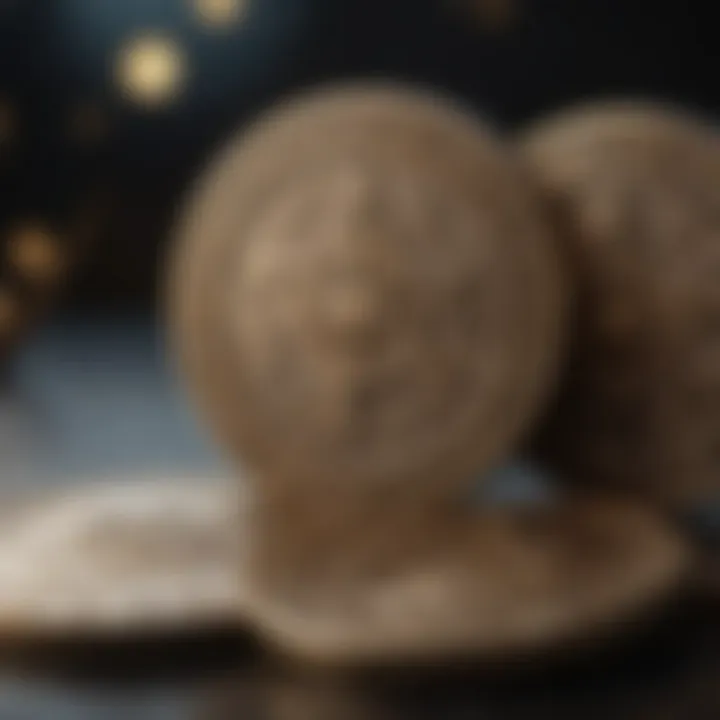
column 55, row 54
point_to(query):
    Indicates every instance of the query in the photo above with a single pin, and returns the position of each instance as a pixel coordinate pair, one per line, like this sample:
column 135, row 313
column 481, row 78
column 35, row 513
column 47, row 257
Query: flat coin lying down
column 151, row 557
column 114, row 557
column 419, row 584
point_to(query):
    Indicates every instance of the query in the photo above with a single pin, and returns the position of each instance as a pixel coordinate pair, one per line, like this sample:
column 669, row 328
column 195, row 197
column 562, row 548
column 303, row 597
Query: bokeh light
column 151, row 70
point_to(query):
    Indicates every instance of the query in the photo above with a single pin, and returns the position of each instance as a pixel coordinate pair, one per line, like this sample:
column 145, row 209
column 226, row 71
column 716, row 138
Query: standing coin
column 366, row 294
column 637, row 190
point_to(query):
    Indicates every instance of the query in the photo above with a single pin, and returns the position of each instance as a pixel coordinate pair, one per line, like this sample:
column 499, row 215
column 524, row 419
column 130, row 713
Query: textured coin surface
column 449, row 582
column 365, row 290
column 637, row 193
column 114, row 557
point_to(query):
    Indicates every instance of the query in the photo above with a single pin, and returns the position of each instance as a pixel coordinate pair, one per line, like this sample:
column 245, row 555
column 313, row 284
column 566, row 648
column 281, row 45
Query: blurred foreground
column 91, row 400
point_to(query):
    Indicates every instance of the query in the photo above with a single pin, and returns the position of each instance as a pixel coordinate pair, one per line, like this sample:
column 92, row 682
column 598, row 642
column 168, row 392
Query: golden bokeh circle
column 36, row 254
column 151, row 70
column 221, row 13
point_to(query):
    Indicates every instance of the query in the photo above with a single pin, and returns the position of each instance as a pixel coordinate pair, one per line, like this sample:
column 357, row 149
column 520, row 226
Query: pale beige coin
column 374, row 585
column 366, row 293
column 119, row 556
column 356, row 586
column 636, row 188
